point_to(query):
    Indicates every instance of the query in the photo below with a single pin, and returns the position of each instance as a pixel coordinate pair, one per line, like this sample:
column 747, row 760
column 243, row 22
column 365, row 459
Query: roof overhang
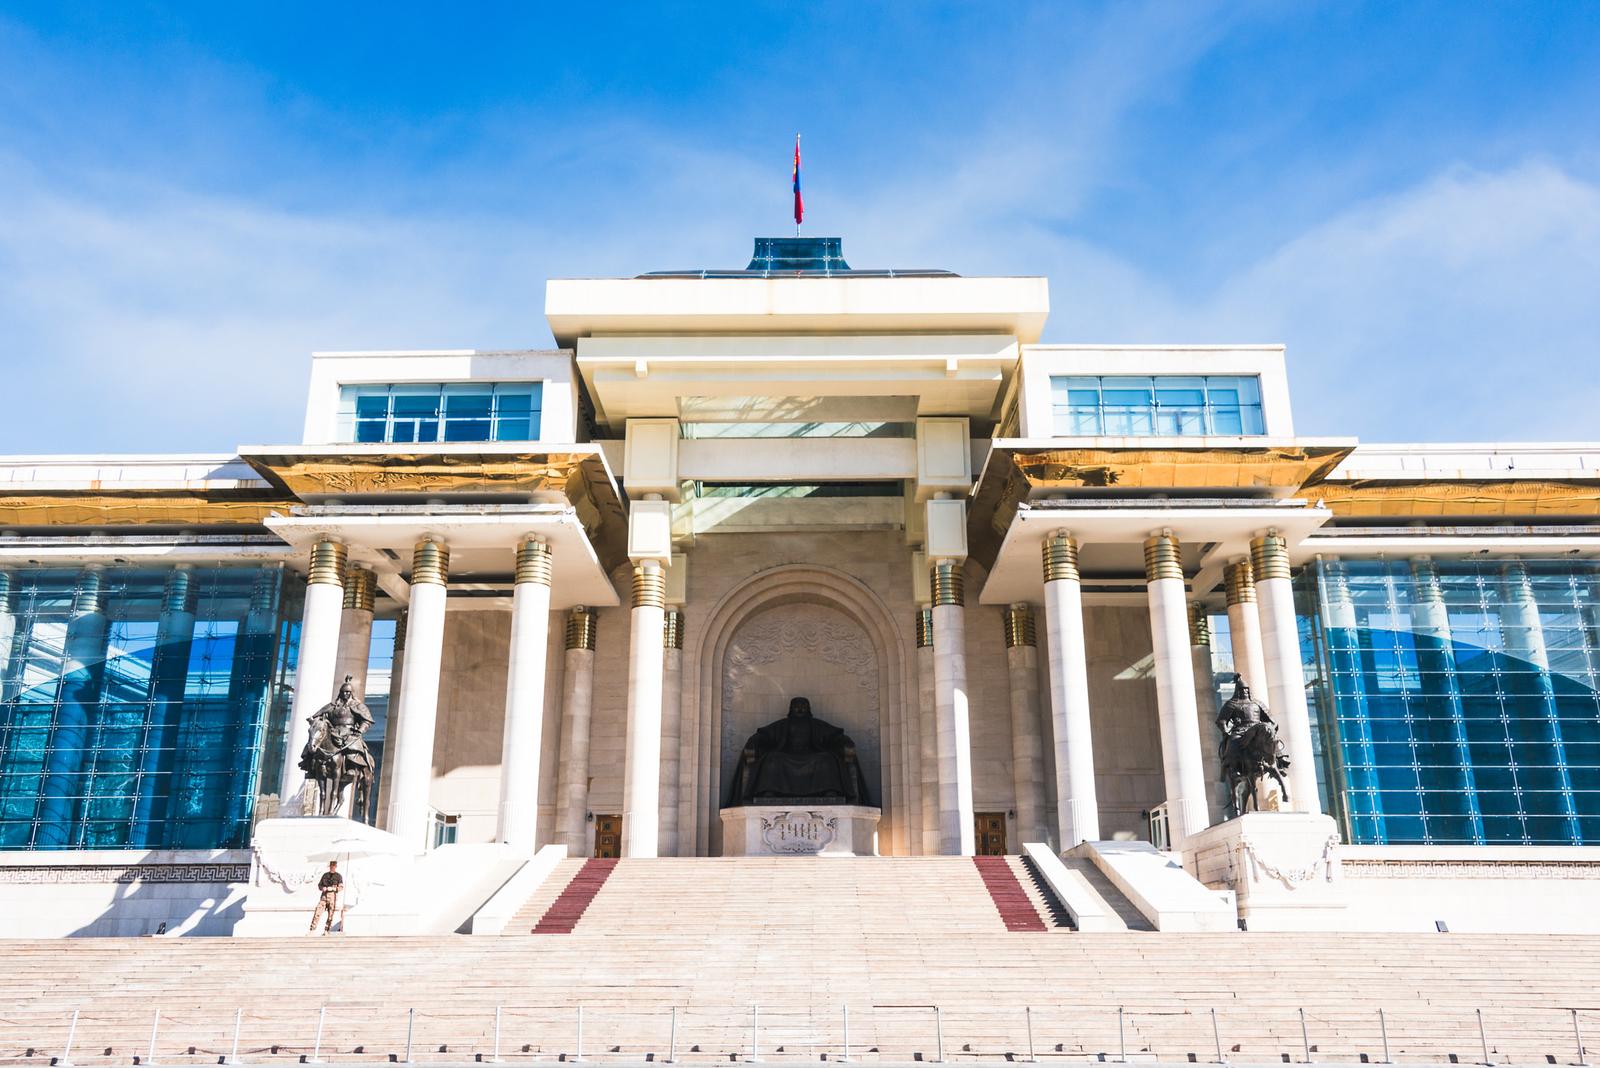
column 942, row 374
column 575, row 476
column 1430, row 497
column 1127, row 470
column 585, row 307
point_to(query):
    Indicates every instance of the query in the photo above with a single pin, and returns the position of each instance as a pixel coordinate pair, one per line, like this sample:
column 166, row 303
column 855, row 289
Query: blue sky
column 193, row 198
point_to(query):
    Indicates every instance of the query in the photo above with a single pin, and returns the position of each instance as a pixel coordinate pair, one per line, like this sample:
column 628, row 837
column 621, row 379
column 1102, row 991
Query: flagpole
column 797, row 175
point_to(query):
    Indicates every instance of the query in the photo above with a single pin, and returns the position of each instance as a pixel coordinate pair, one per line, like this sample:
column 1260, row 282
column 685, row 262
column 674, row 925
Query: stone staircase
column 787, row 893
column 714, row 960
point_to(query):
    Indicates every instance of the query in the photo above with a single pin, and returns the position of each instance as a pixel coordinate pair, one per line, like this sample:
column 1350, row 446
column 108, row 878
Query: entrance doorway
column 991, row 833
column 608, row 836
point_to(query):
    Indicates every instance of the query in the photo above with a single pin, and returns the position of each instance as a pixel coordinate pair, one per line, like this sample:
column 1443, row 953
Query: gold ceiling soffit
column 152, row 509
column 1456, row 497
column 421, row 473
column 1016, row 475
column 1204, row 468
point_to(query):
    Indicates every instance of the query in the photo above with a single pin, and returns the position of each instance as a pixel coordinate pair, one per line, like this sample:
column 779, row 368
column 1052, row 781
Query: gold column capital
column 672, row 632
column 360, row 588
column 1162, row 557
column 948, row 579
column 430, row 563
column 649, row 586
column 1019, row 626
column 178, row 594
column 1199, row 625
column 581, row 628
column 1060, row 552
column 534, row 561
column 1269, row 556
column 328, row 559
column 1241, row 582
column 924, row 628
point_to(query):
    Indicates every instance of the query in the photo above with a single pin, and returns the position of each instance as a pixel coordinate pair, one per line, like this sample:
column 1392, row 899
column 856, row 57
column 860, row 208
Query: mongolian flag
column 799, row 205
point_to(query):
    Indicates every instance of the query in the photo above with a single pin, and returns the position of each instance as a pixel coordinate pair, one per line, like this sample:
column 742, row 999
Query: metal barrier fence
column 609, row 1032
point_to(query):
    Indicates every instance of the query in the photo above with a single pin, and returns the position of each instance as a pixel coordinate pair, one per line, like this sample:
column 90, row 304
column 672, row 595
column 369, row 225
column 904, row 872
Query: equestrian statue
column 336, row 757
column 1250, row 749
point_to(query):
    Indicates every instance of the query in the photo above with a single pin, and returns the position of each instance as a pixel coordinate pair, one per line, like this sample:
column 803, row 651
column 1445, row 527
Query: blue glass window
column 136, row 704
column 1460, row 699
column 454, row 411
column 1167, row 405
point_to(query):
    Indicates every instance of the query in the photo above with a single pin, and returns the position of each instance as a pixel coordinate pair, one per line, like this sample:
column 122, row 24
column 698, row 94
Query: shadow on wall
column 164, row 898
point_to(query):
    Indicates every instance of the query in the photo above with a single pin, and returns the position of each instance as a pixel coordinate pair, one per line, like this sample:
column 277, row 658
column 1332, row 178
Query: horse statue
column 1250, row 749
column 336, row 757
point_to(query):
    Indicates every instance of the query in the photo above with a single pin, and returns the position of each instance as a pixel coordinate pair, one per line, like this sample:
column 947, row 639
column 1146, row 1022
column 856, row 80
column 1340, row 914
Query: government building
column 579, row 594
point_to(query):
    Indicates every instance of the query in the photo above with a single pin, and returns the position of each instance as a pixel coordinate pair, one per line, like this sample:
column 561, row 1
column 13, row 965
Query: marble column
column 1077, row 805
column 169, row 676
column 957, row 834
column 83, row 668
column 1244, row 625
column 671, row 727
column 518, row 824
column 314, row 682
column 1206, row 708
column 641, row 784
column 927, row 735
column 1182, row 765
column 412, row 781
column 355, row 629
column 577, row 702
column 1286, row 679
column 1027, row 743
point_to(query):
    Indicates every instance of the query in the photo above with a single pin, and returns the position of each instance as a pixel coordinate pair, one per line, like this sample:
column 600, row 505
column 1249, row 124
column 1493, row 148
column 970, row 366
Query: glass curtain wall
column 134, row 704
column 1461, row 698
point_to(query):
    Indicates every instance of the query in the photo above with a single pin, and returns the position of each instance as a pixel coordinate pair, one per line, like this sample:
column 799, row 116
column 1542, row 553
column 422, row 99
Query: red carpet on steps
column 567, row 909
column 1010, row 900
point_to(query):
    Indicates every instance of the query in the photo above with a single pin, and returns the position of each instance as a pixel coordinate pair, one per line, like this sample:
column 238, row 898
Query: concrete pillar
column 412, row 780
column 8, row 630
column 671, row 728
column 169, row 676
column 355, row 630
column 1077, row 806
column 1286, row 680
column 641, row 784
column 1244, row 625
column 314, row 681
column 391, row 727
column 518, row 824
column 577, row 701
column 957, row 835
column 1522, row 635
column 82, row 677
column 927, row 735
column 1182, row 765
column 1444, row 719
column 1206, row 708
column 1027, row 744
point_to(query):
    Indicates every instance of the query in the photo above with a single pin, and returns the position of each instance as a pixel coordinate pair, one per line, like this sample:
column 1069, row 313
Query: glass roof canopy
column 781, row 257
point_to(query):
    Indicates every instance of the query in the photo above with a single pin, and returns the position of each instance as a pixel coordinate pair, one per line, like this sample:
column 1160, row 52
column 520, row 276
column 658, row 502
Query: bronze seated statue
column 798, row 758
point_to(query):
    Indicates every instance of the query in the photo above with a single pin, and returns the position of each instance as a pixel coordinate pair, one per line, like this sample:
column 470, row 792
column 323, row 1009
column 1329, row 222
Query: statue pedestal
column 800, row 830
column 1283, row 868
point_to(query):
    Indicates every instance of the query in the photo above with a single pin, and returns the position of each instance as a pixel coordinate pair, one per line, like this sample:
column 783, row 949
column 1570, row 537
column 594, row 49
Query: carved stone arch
column 767, row 589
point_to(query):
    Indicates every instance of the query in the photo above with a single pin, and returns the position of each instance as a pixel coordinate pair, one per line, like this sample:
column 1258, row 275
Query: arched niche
column 764, row 636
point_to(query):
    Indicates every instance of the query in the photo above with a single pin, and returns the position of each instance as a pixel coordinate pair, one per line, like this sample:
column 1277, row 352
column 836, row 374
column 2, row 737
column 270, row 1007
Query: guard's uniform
column 328, row 888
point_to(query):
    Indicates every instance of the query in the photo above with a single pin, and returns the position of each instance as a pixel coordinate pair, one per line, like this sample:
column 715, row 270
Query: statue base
column 800, row 829
column 1283, row 868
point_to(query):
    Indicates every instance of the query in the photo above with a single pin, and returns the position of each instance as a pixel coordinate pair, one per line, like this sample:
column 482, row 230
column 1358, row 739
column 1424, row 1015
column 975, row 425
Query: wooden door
column 991, row 833
column 608, row 836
